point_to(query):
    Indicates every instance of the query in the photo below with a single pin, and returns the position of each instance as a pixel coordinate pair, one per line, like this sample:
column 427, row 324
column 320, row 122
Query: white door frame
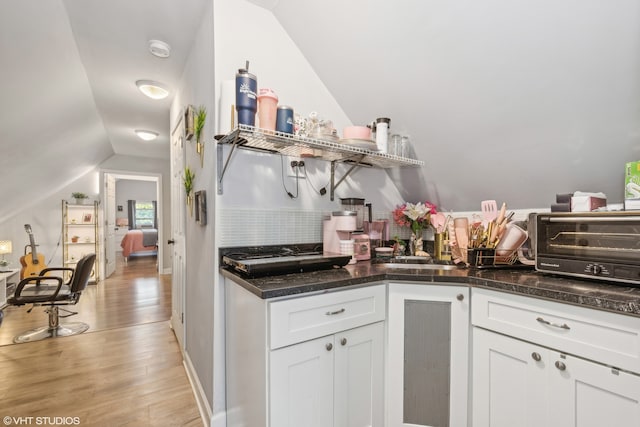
column 133, row 175
column 178, row 232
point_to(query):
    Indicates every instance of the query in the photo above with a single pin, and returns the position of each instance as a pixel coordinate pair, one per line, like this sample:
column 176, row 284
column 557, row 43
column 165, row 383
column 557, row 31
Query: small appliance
column 593, row 245
column 337, row 226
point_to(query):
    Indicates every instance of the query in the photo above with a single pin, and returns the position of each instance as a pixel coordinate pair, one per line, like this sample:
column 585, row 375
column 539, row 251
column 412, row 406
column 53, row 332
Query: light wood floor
column 125, row 371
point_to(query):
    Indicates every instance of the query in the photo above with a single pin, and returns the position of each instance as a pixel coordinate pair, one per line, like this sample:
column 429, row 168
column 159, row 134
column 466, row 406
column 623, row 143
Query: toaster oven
column 594, row 245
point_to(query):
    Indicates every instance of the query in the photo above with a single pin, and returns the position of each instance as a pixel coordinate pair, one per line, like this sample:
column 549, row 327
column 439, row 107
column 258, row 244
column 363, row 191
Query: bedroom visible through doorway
column 133, row 213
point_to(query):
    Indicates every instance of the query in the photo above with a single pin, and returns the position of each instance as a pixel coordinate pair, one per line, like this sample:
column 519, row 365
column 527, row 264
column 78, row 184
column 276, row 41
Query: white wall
column 254, row 180
column 155, row 167
column 196, row 88
column 45, row 218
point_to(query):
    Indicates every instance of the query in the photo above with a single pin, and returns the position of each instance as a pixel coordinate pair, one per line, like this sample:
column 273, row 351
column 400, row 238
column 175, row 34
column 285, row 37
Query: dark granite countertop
column 591, row 294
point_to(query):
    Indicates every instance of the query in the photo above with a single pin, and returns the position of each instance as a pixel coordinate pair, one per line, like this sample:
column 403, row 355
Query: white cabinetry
column 8, row 281
column 428, row 345
column 538, row 373
column 80, row 235
column 335, row 380
column 314, row 360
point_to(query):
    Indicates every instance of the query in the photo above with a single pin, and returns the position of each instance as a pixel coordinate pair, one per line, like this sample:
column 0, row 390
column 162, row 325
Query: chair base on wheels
column 54, row 329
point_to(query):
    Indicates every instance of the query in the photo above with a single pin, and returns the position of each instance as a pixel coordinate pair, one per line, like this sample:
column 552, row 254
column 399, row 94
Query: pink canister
column 267, row 109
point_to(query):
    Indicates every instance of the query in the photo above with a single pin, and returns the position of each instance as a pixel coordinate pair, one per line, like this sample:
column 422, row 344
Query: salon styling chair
column 49, row 289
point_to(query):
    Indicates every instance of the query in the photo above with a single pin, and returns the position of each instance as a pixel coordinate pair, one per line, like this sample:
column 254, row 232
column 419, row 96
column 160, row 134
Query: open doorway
column 132, row 208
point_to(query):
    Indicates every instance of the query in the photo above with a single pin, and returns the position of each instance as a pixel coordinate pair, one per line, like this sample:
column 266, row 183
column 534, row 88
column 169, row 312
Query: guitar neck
column 32, row 243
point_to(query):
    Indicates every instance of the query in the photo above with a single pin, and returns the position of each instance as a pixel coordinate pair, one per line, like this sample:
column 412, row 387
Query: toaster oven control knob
column 596, row 269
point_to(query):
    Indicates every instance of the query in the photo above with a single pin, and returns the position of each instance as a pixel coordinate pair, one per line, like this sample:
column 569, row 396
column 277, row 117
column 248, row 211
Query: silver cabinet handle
column 332, row 313
column 459, row 297
column 555, row 325
column 536, row 356
column 343, row 341
column 560, row 365
column 329, row 346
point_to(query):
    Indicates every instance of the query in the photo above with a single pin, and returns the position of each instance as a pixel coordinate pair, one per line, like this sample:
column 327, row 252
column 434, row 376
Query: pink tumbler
column 267, row 109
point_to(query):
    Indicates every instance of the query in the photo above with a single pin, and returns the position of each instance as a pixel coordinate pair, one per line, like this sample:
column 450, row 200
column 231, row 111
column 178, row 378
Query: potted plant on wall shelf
column 79, row 197
column 187, row 179
column 199, row 120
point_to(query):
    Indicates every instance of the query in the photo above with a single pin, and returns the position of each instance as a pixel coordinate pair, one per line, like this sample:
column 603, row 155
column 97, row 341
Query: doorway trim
column 136, row 176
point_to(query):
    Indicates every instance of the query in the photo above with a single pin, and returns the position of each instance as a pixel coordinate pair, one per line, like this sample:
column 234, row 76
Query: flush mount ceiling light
column 146, row 135
column 153, row 90
column 159, row 48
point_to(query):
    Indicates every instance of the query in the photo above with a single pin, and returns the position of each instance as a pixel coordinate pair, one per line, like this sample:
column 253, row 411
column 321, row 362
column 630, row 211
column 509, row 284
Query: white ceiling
column 69, row 99
column 509, row 100
column 512, row 100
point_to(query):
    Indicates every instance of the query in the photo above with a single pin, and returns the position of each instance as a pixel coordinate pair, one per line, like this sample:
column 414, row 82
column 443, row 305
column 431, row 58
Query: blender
column 356, row 205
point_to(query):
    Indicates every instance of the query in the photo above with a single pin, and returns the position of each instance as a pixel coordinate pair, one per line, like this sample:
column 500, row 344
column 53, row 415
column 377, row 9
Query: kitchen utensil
column 489, row 210
column 500, row 217
column 438, row 221
column 461, row 227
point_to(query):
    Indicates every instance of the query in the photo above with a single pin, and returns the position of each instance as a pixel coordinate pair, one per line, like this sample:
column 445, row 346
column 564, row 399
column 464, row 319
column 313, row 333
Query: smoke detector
column 159, row 48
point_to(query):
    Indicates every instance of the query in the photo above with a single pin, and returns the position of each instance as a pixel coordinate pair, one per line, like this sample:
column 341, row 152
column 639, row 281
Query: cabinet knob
column 343, row 341
column 329, row 346
column 536, row 356
column 560, row 365
column 460, row 297
column 170, row 242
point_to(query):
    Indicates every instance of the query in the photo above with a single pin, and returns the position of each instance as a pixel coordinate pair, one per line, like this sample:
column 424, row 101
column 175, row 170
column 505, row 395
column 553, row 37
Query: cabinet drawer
column 609, row 338
column 301, row 319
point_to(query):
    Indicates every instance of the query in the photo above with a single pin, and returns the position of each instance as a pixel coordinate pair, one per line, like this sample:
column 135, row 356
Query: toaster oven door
column 600, row 237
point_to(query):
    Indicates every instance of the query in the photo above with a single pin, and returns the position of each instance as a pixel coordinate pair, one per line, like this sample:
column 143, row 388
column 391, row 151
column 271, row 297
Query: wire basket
column 487, row 258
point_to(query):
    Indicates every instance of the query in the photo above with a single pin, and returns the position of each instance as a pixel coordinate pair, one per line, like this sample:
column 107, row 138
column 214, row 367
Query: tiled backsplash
column 245, row 227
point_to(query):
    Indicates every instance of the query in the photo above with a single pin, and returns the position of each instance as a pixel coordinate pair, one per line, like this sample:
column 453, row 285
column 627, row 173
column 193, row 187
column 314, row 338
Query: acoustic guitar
column 33, row 262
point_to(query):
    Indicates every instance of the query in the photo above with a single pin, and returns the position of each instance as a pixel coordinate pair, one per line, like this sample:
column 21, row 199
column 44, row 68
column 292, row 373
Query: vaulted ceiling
column 512, row 100
column 507, row 100
column 69, row 99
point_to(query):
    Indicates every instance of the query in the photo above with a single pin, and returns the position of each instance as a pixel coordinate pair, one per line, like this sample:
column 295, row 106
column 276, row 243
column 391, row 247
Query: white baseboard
column 201, row 398
column 219, row 420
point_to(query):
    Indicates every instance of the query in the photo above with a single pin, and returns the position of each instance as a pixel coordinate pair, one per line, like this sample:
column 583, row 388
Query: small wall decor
column 189, row 116
column 201, row 117
column 120, row 208
column 187, row 179
column 201, row 207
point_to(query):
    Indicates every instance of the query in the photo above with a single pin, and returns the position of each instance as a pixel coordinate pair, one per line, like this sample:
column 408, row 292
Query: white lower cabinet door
column 359, row 377
column 301, row 384
column 427, row 348
column 516, row 383
column 509, row 382
column 587, row 394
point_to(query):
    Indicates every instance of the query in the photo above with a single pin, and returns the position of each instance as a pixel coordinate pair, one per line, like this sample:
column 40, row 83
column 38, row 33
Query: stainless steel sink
column 409, row 266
